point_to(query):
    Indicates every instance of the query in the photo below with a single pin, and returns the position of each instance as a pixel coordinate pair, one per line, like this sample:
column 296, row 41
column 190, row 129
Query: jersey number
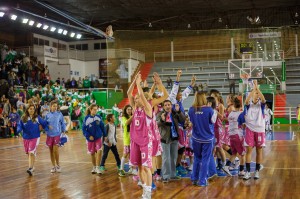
column 137, row 123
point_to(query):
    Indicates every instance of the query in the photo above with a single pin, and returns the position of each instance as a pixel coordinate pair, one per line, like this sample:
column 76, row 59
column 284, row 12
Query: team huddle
column 159, row 137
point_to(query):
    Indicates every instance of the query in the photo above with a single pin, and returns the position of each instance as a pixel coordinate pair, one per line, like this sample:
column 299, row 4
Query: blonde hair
column 199, row 100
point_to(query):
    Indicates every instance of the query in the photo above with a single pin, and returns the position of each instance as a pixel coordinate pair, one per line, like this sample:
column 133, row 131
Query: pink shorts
column 219, row 135
column 237, row 145
column 254, row 139
column 156, row 148
column 126, row 150
column 51, row 141
column 181, row 138
column 188, row 152
column 141, row 155
column 95, row 146
column 30, row 145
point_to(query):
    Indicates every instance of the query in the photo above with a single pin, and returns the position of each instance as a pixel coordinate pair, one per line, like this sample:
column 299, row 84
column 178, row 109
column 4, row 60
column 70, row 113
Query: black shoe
column 30, row 171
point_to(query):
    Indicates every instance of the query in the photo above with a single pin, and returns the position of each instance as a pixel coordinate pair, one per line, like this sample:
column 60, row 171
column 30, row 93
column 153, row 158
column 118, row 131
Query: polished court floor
column 280, row 177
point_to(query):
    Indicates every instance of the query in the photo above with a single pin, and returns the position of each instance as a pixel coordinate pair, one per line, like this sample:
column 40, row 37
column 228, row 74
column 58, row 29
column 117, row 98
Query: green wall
column 107, row 100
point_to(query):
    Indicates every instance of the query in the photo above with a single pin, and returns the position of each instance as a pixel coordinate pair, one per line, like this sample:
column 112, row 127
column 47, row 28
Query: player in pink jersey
column 141, row 135
column 236, row 121
column 255, row 128
column 219, row 131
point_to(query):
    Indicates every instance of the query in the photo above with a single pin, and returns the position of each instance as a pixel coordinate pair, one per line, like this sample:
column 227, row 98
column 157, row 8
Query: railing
column 93, row 55
column 290, row 113
column 215, row 54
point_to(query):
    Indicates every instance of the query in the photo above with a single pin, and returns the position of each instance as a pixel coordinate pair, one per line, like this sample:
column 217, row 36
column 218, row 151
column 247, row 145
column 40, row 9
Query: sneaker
column 140, row 184
column 181, row 171
column 134, row 172
column 58, row 169
column 147, row 192
column 94, row 170
column 102, row 169
column 261, row 167
column 212, row 177
column 129, row 172
column 53, row 170
column 136, row 178
column 202, row 185
column 247, row 176
column 30, row 171
column 121, row 173
column 226, row 171
column 157, row 177
column 98, row 170
column 241, row 173
column 175, row 178
column 165, row 180
column 195, row 182
column 153, row 187
column 256, row 175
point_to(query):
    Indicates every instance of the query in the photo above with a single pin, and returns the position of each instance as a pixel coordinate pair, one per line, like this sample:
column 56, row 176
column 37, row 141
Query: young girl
column 56, row 126
column 236, row 120
column 255, row 127
column 126, row 121
column 29, row 124
column 14, row 119
column 203, row 119
column 93, row 130
column 219, row 131
column 110, row 143
column 141, row 135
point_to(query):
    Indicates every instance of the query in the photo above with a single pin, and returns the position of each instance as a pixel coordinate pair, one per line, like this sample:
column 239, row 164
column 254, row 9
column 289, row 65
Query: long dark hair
column 26, row 114
column 125, row 114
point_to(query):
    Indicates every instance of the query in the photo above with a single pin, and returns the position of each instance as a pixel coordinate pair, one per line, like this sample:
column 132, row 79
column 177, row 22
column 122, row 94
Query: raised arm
column 175, row 88
column 247, row 101
column 147, row 106
column 161, row 88
column 189, row 89
column 260, row 95
column 130, row 90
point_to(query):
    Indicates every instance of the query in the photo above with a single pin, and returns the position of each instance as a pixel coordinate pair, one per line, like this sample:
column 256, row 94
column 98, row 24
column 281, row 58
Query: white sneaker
column 226, row 170
column 94, row 170
column 256, row 175
column 134, row 172
column 242, row 173
column 53, row 170
column 261, row 167
column 247, row 176
column 98, row 171
column 147, row 192
column 58, row 169
column 130, row 171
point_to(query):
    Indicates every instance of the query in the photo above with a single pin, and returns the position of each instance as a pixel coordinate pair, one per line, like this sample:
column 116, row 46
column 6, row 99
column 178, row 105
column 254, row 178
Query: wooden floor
column 280, row 177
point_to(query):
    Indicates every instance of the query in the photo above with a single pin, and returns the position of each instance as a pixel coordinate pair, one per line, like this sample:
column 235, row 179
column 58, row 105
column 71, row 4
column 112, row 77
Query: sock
column 248, row 167
column 158, row 171
column 122, row 163
column 229, row 151
column 228, row 163
column 241, row 167
column 257, row 167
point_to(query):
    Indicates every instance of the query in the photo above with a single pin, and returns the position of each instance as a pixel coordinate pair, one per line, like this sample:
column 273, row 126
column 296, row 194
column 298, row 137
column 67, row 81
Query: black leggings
column 114, row 149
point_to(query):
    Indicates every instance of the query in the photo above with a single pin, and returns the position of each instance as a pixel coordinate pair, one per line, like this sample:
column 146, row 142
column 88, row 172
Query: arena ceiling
column 169, row 14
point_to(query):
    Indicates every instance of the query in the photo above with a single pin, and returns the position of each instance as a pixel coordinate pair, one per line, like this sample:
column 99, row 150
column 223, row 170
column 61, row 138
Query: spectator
column 4, row 129
column 169, row 82
column 58, row 81
column 86, row 82
column 200, row 87
column 6, row 108
column 73, row 83
column 20, row 102
column 205, row 87
column 104, row 83
column 167, row 121
column 232, row 86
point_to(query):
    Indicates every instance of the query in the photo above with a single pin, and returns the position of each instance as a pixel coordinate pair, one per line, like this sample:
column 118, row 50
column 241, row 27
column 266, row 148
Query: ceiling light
column 60, row 31
column 189, row 26
column 13, row 17
column 257, row 42
column 31, row 23
column 150, row 25
column 78, row 36
column 45, row 27
column 72, row 34
column 39, row 25
column 52, row 29
column 271, row 68
column 65, row 32
column 2, row 14
column 220, row 20
column 296, row 22
column 296, row 14
column 25, row 21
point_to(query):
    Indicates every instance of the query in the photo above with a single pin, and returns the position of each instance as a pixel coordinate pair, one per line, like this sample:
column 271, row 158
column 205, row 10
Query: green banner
column 283, row 71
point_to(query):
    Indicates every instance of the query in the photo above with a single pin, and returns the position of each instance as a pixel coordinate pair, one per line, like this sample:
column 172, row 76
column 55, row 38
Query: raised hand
column 156, row 78
column 193, row 81
column 138, row 79
column 179, row 72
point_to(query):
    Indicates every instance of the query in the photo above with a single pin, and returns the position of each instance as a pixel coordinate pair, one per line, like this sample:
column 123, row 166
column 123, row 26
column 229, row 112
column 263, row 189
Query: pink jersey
column 140, row 127
column 219, row 122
